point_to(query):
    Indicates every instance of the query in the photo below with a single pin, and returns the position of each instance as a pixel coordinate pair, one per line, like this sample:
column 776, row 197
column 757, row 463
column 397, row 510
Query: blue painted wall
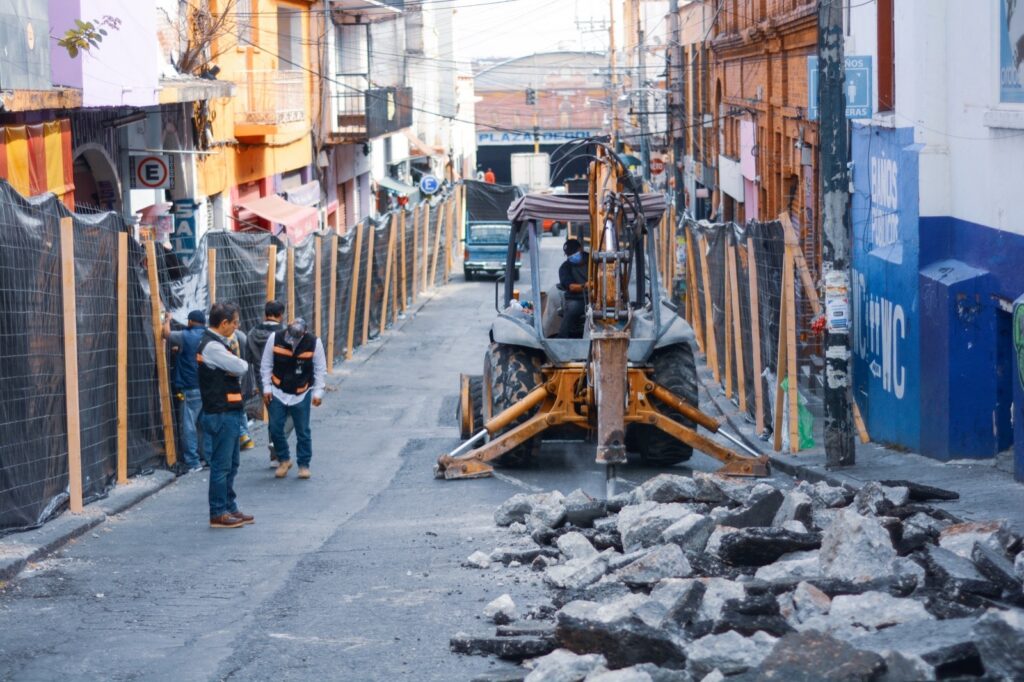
column 886, row 330
column 968, row 337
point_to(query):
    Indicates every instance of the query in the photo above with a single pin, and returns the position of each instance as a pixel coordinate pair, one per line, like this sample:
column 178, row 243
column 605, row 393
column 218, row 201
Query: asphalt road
column 352, row 575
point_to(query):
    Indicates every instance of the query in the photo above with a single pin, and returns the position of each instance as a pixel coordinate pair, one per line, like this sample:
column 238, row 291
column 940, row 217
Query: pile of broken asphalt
column 708, row 578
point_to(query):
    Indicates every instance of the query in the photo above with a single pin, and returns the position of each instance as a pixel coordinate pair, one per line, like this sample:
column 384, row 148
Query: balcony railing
column 269, row 99
column 362, row 112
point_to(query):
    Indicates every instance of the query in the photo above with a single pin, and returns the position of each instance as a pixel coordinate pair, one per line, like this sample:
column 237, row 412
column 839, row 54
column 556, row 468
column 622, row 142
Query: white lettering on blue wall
column 880, row 327
column 885, row 219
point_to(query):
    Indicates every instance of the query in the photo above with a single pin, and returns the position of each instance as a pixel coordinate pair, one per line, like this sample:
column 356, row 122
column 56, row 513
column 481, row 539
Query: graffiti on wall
column 881, row 336
column 1011, row 50
column 1018, row 340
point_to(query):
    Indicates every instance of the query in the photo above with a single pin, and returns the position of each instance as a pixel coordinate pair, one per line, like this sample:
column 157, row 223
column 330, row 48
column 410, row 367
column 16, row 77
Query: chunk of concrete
column 562, row 665
column 477, row 560
column 718, row 591
column 795, row 566
column 994, row 565
column 1018, row 566
column 961, row 537
column 507, row 648
column 626, row 631
column 999, row 636
column 664, row 561
column 818, row 657
column 728, row 652
column 831, row 496
column 796, row 506
column 946, row 645
column 761, row 546
column 576, row 573
column 549, row 507
column 690, row 533
column 502, row 610
column 645, row 672
column 641, row 525
column 759, row 510
column 809, row 601
column 581, row 510
column 575, row 546
column 874, row 611
column 855, row 548
column 681, row 598
column 955, row 575
column 875, row 498
column 666, row 488
column 900, row 667
column 923, row 493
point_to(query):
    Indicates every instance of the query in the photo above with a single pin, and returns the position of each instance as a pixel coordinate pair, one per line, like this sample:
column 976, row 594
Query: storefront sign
column 497, row 138
column 183, row 239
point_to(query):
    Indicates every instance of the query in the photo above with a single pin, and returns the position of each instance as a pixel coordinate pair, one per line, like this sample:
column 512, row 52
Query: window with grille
column 243, row 22
column 289, row 39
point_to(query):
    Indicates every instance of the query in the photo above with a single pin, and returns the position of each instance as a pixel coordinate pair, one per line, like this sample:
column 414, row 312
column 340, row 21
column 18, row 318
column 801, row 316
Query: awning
column 421, row 148
column 299, row 221
column 575, row 207
column 399, row 188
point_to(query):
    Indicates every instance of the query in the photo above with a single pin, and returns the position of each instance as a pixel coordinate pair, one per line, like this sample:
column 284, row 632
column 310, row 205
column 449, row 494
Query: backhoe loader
column 629, row 385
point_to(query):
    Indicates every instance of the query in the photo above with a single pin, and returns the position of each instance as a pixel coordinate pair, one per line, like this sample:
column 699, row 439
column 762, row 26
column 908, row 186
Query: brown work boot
column 245, row 518
column 304, row 472
column 226, row 521
column 282, row 468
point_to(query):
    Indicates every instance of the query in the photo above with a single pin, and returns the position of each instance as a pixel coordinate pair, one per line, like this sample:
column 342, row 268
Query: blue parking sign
column 429, row 184
column 857, row 88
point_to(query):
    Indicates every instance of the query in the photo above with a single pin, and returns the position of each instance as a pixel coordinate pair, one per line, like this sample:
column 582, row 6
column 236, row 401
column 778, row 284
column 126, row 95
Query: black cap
column 197, row 316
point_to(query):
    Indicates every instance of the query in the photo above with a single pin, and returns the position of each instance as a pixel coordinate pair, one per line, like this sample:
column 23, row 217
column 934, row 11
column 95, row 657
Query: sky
column 512, row 28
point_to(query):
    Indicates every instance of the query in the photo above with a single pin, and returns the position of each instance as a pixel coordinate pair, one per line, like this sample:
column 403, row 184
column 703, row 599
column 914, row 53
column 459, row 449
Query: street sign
column 857, row 88
column 152, row 172
column 657, row 166
column 429, row 184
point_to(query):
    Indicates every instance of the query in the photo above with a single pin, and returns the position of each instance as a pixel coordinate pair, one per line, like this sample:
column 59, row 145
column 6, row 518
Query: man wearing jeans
column 220, row 385
column 186, row 381
column 293, row 370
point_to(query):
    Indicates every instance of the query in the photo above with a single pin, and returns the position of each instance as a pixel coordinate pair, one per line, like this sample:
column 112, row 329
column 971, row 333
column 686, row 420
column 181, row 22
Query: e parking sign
column 429, row 184
column 152, row 172
column 857, row 88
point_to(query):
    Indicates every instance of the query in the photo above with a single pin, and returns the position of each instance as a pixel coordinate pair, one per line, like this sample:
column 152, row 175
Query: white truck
column 531, row 170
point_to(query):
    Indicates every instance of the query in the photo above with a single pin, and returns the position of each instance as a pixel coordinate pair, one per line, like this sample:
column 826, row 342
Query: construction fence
column 755, row 312
column 88, row 400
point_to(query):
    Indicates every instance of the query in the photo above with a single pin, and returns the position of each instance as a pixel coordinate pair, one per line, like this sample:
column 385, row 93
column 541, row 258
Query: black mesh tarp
column 487, row 201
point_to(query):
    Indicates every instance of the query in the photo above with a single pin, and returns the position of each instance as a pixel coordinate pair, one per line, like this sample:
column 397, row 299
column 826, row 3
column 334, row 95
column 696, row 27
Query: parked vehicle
column 485, row 243
column 532, row 171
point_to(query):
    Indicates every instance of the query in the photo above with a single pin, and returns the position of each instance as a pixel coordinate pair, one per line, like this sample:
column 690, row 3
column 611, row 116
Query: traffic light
column 531, row 96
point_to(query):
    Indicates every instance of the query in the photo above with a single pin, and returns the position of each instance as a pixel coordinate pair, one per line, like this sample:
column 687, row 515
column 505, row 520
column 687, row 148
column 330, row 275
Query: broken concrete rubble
column 576, row 573
column 855, row 548
column 549, row 507
column 508, row 648
column 728, row 652
column 874, row 611
column 764, row 545
column 562, row 665
column 690, row 533
column 960, row 538
column 575, row 546
column 759, row 510
column 999, row 636
column 641, row 525
column 818, row 657
column 664, row 561
column 502, row 610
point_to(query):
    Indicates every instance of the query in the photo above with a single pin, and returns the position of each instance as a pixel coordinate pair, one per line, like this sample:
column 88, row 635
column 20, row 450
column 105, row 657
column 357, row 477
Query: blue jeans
column 222, row 430
column 278, row 412
column 191, row 408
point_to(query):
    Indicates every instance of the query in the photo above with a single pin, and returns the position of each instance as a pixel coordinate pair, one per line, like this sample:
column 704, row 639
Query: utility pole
column 645, row 142
column 613, row 94
column 677, row 109
column 834, row 180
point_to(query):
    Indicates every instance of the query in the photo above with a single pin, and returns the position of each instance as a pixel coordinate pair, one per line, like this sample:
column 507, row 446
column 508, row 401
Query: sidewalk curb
column 17, row 550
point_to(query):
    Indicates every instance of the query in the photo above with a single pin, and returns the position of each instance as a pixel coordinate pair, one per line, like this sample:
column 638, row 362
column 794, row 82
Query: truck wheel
column 511, row 372
column 470, row 424
column 674, row 369
column 467, row 274
column 556, row 229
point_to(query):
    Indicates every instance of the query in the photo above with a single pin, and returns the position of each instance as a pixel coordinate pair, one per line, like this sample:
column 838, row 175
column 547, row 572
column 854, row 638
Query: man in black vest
column 220, row 372
column 256, row 342
column 294, row 370
column 572, row 277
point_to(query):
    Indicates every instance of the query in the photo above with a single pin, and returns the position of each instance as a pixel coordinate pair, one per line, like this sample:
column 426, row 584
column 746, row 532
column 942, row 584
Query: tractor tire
column 510, row 373
column 674, row 369
column 476, row 395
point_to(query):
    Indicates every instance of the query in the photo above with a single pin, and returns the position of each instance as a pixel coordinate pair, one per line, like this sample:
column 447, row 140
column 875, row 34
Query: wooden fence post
column 781, row 357
column 737, row 328
column 161, row 356
column 318, row 298
column 437, row 244
column 691, row 294
column 73, row 417
column 211, row 275
column 332, row 301
column 789, row 289
column 271, row 272
column 710, row 345
column 672, row 246
column 122, row 354
column 414, row 283
column 367, row 298
column 755, row 336
column 402, row 268
column 727, row 305
column 353, row 292
column 387, row 276
column 426, row 244
column 290, row 276
column 448, row 231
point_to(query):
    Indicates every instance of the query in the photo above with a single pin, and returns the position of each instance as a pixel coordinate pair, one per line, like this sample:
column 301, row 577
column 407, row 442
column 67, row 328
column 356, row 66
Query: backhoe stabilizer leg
column 473, row 464
column 734, row 463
